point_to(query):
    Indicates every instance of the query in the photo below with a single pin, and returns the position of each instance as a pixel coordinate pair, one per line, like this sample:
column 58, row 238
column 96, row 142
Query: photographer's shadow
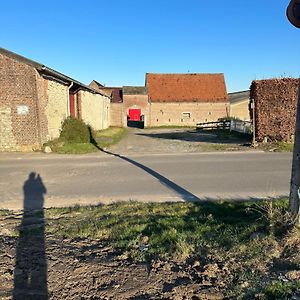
column 30, row 274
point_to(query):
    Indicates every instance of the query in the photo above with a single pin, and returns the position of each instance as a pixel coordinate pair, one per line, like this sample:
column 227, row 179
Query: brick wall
column 186, row 113
column 116, row 114
column 136, row 101
column 18, row 105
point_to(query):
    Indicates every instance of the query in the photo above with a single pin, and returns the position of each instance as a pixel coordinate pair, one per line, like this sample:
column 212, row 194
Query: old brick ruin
column 275, row 103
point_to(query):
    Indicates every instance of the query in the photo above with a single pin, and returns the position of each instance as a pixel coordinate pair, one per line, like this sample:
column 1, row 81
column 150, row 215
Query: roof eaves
column 45, row 70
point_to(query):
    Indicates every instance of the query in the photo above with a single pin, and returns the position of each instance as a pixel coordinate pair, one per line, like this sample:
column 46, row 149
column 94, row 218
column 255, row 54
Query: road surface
column 107, row 177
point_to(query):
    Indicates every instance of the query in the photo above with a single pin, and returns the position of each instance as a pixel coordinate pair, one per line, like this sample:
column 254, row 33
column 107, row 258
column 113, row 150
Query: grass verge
column 251, row 241
column 108, row 137
column 101, row 139
column 277, row 146
column 248, row 249
column 57, row 146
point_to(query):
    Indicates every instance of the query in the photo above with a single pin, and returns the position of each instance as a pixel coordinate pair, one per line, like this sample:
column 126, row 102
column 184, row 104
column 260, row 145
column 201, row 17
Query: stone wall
column 186, row 113
column 19, row 126
column 56, row 108
column 95, row 110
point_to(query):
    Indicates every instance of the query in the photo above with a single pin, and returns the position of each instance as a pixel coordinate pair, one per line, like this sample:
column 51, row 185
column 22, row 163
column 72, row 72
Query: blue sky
column 117, row 42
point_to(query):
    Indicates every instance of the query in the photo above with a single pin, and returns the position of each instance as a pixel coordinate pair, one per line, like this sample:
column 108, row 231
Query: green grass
column 281, row 290
column 65, row 148
column 109, row 137
column 102, row 139
column 277, row 146
column 252, row 240
column 171, row 229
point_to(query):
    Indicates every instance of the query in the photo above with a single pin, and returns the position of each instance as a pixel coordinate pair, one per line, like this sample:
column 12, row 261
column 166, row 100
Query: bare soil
column 85, row 269
column 36, row 265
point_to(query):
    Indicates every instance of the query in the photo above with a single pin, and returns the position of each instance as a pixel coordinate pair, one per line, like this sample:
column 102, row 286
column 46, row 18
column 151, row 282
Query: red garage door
column 134, row 114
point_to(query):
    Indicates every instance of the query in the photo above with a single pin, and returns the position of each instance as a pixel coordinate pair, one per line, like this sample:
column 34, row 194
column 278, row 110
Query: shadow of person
column 30, row 274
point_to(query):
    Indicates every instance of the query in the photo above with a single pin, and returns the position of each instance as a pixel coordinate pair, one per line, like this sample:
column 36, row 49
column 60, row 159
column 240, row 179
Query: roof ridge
column 184, row 74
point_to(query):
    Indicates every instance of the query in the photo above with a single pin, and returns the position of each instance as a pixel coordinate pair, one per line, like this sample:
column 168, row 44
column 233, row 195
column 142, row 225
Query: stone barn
column 35, row 99
column 170, row 100
column 186, row 99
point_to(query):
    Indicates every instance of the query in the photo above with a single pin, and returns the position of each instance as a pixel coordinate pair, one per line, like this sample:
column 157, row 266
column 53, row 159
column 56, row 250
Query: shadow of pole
column 30, row 274
column 183, row 193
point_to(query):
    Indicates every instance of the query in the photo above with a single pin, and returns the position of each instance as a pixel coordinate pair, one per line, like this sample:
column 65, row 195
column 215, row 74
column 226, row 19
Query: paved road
column 104, row 177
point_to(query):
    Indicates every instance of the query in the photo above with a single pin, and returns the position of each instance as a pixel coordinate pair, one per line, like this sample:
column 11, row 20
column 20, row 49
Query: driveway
column 181, row 140
column 107, row 177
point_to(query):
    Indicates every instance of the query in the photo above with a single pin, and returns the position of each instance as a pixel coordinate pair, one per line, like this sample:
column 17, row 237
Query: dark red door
column 134, row 114
column 72, row 105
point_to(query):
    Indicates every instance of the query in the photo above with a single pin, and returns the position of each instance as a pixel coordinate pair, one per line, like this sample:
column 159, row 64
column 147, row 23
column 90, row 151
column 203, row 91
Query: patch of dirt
column 36, row 265
column 86, row 269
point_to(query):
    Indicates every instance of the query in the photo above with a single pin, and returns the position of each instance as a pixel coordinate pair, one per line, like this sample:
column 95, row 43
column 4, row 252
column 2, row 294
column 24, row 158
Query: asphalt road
column 104, row 177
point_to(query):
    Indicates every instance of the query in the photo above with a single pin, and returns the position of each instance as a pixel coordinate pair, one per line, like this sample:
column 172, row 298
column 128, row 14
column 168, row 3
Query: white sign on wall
column 22, row 110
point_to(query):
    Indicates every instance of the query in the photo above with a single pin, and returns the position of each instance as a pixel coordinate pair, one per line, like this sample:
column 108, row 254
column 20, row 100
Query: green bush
column 75, row 131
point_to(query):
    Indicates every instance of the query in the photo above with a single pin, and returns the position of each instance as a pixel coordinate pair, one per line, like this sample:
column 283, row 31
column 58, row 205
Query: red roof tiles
column 186, row 87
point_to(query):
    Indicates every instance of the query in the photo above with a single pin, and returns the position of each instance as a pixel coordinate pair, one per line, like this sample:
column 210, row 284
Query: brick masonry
column 18, row 99
column 136, row 101
column 116, row 114
column 185, row 113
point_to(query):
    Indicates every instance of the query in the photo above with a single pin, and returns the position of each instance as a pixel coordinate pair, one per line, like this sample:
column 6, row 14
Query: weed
column 278, row 290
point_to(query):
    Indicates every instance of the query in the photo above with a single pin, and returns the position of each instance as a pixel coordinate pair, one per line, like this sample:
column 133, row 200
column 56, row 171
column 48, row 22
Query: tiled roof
column 186, row 87
column 115, row 93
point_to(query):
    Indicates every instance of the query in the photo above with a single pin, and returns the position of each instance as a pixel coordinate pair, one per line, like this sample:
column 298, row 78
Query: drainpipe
column 68, row 101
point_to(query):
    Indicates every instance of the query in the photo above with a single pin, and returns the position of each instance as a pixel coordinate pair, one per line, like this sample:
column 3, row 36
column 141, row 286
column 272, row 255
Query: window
column 186, row 115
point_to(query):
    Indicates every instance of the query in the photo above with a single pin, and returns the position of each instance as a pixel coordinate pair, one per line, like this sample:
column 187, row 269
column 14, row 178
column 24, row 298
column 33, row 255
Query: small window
column 186, row 115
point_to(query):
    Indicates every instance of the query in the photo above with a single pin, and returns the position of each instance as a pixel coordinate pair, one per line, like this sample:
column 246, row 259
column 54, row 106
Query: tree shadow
column 30, row 274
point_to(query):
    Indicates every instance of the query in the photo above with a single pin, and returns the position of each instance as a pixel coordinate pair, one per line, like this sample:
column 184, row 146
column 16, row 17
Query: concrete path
column 107, row 177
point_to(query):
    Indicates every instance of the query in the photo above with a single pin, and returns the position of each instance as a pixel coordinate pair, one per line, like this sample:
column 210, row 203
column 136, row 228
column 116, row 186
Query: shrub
column 75, row 131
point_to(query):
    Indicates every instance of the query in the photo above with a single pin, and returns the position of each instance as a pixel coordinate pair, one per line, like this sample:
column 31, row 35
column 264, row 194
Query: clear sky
column 117, row 41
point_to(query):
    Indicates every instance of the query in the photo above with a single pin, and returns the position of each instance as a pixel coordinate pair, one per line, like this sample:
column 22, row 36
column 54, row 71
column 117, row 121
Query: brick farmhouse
column 170, row 99
column 35, row 99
